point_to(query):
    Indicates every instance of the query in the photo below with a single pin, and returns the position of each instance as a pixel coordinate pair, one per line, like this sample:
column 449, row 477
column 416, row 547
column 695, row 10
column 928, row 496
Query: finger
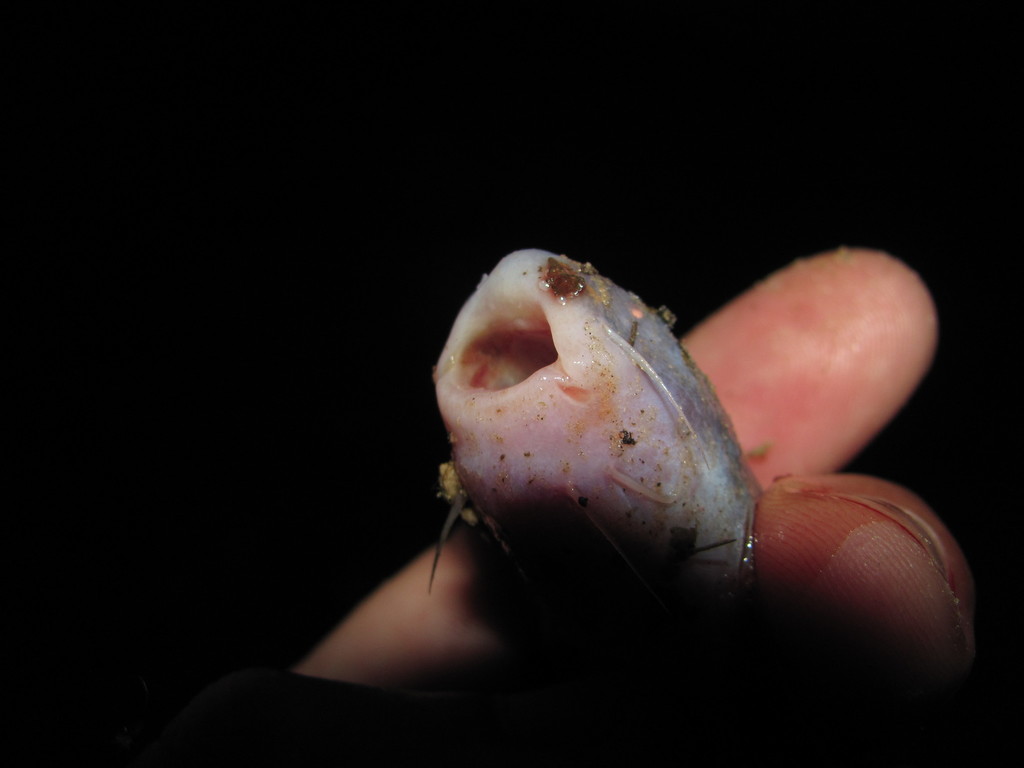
column 813, row 361
column 449, row 637
column 861, row 581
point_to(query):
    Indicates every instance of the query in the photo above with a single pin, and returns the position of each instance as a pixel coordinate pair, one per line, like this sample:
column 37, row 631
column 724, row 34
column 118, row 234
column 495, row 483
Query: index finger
column 813, row 361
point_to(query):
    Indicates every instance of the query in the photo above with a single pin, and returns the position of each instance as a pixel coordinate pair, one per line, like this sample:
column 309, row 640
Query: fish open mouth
column 511, row 350
column 507, row 354
column 520, row 323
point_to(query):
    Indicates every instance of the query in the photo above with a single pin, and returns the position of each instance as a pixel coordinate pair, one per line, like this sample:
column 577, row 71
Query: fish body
column 592, row 447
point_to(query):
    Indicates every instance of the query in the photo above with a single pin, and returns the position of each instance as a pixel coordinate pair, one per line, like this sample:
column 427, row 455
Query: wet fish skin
column 592, row 447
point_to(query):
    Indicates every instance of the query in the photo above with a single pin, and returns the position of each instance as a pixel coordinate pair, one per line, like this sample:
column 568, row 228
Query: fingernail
column 921, row 530
column 913, row 524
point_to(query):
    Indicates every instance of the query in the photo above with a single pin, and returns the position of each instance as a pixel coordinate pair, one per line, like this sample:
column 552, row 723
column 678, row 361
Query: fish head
column 589, row 444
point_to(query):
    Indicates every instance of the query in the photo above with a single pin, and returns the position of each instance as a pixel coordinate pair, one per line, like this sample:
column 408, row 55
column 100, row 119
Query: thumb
column 859, row 579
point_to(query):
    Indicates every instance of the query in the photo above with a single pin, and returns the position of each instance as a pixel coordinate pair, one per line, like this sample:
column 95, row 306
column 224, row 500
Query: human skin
column 853, row 573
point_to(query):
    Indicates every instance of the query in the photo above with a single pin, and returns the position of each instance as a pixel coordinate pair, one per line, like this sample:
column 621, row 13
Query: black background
column 241, row 239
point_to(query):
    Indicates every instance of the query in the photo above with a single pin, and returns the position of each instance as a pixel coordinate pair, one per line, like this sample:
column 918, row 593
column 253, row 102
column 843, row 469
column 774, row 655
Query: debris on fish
column 590, row 445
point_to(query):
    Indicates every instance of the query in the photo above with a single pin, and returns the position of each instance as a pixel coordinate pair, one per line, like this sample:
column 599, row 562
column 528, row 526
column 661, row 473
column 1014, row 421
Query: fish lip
column 510, row 321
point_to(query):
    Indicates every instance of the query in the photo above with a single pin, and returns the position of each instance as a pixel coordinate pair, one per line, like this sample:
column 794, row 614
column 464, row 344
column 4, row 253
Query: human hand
column 859, row 585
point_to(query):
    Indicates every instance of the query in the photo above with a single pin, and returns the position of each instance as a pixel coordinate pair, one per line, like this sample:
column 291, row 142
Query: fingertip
column 860, row 584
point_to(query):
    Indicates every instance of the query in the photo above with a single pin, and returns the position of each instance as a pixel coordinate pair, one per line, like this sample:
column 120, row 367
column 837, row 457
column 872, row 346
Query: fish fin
column 641, row 362
column 627, row 561
column 458, row 502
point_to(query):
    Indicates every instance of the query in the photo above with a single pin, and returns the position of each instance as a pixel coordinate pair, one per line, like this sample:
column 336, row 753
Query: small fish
column 591, row 447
